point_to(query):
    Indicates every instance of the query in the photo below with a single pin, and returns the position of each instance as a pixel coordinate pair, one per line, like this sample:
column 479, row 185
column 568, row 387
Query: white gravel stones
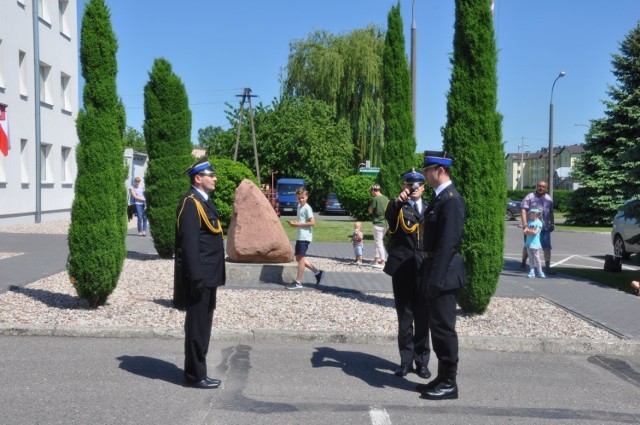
column 143, row 296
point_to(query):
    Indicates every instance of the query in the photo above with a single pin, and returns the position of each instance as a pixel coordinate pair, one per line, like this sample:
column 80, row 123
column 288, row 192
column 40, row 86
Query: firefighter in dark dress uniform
column 406, row 224
column 200, row 269
column 443, row 272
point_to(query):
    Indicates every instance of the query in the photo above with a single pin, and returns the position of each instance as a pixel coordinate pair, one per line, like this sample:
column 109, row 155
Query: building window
column 65, row 155
column 1, row 65
column 46, row 175
column 43, row 11
column 45, row 83
column 24, row 162
column 22, row 63
column 64, row 17
column 65, row 88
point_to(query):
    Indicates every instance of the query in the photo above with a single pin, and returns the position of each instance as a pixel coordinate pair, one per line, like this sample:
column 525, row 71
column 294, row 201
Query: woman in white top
column 137, row 193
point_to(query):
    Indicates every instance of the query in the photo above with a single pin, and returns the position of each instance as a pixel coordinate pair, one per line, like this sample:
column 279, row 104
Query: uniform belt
column 428, row 254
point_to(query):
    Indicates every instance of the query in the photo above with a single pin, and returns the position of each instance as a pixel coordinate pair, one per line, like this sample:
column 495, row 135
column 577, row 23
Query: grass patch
column 329, row 230
column 619, row 280
column 568, row 228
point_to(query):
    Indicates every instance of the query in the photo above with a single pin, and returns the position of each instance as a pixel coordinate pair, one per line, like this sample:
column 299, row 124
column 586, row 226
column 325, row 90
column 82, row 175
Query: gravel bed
column 143, row 296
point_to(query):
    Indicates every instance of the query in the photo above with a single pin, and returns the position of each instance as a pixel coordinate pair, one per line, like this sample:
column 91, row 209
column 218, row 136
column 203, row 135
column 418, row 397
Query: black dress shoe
column 445, row 390
column 423, row 372
column 402, row 371
column 205, row 384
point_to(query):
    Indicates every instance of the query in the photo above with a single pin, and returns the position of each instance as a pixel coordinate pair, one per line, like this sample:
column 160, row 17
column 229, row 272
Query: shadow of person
column 151, row 368
column 373, row 370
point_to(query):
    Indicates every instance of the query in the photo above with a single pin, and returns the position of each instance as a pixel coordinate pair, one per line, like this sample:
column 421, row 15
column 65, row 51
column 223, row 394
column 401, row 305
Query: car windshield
column 288, row 188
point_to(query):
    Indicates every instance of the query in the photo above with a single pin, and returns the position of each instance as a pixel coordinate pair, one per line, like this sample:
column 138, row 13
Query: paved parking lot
column 569, row 249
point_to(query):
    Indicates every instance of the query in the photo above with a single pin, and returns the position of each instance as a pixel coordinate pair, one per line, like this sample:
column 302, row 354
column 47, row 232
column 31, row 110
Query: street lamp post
column 550, row 182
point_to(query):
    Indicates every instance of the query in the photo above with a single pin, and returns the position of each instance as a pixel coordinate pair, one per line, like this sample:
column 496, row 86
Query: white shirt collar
column 442, row 187
column 201, row 192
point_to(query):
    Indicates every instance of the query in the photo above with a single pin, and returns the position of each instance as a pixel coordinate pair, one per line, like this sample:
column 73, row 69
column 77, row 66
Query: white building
column 29, row 193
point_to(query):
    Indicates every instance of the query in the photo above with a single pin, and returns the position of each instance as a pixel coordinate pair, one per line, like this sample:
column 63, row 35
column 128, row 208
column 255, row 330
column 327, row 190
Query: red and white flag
column 4, row 131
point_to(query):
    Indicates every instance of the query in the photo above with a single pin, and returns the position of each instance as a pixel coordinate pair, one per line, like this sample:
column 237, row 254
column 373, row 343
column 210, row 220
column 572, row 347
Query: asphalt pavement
column 273, row 378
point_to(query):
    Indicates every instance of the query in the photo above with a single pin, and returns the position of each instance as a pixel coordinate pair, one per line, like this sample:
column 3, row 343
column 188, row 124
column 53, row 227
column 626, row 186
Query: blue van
column 286, row 190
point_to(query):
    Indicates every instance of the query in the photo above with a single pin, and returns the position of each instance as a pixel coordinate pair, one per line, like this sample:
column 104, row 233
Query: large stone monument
column 257, row 240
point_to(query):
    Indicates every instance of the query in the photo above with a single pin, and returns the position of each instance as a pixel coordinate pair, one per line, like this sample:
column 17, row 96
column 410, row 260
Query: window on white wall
column 22, row 64
column 43, row 11
column 24, row 161
column 65, row 155
column 45, row 84
column 65, row 88
column 46, row 174
column 64, row 17
column 1, row 64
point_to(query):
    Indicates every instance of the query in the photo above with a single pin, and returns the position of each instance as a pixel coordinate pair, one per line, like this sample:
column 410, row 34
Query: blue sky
column 219, row 47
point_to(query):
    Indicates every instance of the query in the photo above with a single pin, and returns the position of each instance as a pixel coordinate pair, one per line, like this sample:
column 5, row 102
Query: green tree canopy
column 134, row 139
column 167, row 130
column 344, row 71
column 609, row 169
column 98, row 216
column 473, row 138
column 302, row 137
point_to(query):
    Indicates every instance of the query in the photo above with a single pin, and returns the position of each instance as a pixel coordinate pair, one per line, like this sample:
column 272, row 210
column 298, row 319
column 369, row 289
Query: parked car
column 513, row 209
column 332, row 205
column 625, row 234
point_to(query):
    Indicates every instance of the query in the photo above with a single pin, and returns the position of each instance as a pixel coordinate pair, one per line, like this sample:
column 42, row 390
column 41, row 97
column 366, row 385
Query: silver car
column 625, row 234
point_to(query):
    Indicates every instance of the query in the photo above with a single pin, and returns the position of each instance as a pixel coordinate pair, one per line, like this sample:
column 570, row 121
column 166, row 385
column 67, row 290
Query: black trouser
column 442, row 316
column 413, row 317
column 197, row 333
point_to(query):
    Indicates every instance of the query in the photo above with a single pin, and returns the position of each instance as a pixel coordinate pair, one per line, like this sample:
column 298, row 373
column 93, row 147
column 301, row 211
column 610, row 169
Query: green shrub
column 354, row 195
column 230, row 174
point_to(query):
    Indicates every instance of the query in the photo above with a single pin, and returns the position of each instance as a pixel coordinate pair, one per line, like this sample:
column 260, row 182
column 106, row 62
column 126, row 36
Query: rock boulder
column 255, row 233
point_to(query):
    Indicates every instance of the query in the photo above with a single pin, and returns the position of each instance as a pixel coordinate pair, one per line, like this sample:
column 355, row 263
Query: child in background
column 356, row 240
column 534, row 226
column 304, row 223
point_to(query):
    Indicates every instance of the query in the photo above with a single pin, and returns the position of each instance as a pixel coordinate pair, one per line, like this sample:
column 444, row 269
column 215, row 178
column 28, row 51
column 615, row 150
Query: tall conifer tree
column 609, row 169
column 473, row 138
column 98, row 219
column 399, row 143
column 167, row 131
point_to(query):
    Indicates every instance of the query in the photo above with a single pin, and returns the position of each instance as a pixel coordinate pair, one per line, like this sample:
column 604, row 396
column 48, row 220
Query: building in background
column 525, row 169
column 23, row 199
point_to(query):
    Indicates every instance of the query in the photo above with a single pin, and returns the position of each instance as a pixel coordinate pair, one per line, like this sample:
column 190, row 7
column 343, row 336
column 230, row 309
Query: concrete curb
column 618, row 347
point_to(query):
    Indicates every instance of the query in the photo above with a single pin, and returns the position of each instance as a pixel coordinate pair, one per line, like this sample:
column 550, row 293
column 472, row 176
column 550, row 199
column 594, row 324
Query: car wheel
column 509, row 215
column 618, row 247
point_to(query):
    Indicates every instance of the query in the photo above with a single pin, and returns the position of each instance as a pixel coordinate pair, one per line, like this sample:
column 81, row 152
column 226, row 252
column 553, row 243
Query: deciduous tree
column 344, row 71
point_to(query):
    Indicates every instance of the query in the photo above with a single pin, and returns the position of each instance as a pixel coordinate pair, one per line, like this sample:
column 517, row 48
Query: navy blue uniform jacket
column 199, row 242
column 444, row 223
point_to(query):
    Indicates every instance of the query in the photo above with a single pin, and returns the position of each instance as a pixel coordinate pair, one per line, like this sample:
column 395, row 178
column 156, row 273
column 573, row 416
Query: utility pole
column 521, row 168
column 413, row 66
column 246, row 94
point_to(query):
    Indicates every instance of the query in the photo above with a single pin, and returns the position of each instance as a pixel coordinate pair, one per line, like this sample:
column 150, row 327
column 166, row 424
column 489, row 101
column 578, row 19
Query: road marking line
column 379, row 416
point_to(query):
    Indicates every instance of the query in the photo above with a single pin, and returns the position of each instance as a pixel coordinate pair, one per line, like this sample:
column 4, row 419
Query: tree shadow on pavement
column 373, row 370
column 151, row 368
column 52, row 299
